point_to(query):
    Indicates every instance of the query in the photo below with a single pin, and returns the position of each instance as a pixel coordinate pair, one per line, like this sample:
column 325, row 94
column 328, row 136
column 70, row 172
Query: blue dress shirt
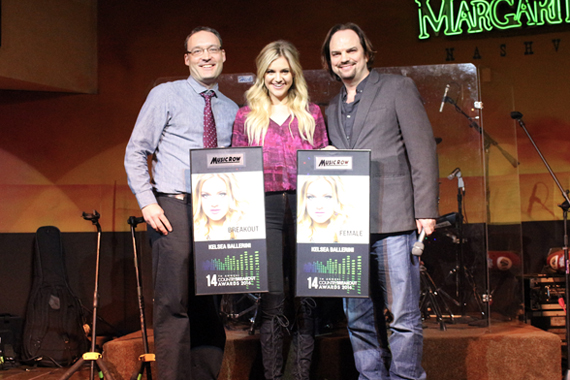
column 170, row 123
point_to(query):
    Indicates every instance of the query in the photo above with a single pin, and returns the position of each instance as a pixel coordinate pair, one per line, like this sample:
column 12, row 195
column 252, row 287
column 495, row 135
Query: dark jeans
column 280, row 212
column 178, row 313
column 393, row 352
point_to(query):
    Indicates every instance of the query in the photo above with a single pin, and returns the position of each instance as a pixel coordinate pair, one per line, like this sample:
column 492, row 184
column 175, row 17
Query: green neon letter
column 527, row 9
column 426, row 15
column 548, row 11
column 510, row 20
column 463, row 16
column 480, row 16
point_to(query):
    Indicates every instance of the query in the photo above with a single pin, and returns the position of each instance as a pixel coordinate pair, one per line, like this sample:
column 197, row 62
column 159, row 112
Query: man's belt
column 184, row 197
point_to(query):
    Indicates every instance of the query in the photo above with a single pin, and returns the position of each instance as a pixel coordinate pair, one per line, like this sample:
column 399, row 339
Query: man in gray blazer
column 384, row 113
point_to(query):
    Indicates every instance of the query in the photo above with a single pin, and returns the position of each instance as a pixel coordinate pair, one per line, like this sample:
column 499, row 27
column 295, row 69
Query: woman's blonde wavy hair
column 257, row 121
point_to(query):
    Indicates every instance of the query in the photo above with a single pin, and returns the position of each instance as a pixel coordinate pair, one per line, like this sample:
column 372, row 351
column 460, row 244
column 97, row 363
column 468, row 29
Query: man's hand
column 329, row 147
column 153, row 214
column 427, row 224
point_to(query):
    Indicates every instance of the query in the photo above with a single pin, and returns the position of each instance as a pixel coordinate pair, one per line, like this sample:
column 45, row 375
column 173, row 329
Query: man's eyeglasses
column 198, row 52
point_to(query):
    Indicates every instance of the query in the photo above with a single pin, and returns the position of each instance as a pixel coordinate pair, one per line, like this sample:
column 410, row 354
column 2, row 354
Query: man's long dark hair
column 364, row 41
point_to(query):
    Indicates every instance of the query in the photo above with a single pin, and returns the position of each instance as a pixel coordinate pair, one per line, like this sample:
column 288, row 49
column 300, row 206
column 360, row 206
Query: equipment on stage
column 555, row 260
column 95, row 358
column 483, row 301
column 564, row 206
column 239, row 310
column 10, row 340
column 503, row 260
column 434, row 299
column 456, row 173
column 146, row 358
column 442, row 248
column 544, row 302
column 54, row 334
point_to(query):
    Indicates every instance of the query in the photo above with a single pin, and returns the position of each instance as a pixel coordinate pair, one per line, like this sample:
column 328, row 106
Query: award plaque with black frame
column 230, row 253
column 333, row 223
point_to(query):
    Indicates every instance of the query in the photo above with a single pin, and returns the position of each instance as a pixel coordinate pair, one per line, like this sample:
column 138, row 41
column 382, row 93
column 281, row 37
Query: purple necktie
column 210, row 136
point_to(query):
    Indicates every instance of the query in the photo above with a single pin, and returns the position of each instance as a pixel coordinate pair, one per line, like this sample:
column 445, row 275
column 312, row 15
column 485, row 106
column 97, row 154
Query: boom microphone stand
column 564, row 206
column 147, row 357
column 92, row 356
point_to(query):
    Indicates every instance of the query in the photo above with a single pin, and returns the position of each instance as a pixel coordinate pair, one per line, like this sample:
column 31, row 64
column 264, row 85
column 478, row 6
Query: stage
column 504, row 351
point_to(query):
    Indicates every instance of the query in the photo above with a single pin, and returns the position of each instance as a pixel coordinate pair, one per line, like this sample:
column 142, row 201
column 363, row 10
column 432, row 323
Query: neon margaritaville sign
column 477, row 16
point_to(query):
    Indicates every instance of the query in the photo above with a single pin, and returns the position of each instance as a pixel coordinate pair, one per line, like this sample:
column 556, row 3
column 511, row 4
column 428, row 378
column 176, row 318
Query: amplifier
column 11, row 328
column 544, row 297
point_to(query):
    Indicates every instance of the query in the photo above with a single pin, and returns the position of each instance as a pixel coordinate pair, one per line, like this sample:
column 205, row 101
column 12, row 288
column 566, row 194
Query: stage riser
column 471, row 353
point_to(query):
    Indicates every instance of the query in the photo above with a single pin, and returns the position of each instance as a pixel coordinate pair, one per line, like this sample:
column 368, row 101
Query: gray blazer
column 392, row 122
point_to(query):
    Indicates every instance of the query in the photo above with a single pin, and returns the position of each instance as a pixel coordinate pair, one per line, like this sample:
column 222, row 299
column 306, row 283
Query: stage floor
column 504, row 351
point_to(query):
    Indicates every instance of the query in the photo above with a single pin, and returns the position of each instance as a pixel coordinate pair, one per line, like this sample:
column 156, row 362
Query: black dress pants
column 189, row 337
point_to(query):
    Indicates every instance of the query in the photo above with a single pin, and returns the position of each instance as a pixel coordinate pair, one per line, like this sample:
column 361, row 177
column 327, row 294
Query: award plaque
column 230, row 254
column 333, row 223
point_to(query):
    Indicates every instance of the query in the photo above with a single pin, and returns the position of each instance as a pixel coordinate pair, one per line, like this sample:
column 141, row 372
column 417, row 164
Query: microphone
column 418, row 247
column 515, row 115
column 454, row 173
column 444, row 98
column 457, row 173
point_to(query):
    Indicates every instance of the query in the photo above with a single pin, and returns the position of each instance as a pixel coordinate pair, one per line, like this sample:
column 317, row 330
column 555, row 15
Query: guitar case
column 53, row 329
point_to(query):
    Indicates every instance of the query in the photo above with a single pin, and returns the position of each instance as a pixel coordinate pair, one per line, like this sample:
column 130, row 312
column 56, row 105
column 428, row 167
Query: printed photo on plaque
column 333, row 223
column 328, row 211
column 225, row 208
column 228, row 220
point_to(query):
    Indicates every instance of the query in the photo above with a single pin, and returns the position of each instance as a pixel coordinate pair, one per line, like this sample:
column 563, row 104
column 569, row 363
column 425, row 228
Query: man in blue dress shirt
column 189, row 338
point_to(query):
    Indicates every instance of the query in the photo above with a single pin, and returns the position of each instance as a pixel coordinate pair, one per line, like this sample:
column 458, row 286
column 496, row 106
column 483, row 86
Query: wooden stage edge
column 504, row 351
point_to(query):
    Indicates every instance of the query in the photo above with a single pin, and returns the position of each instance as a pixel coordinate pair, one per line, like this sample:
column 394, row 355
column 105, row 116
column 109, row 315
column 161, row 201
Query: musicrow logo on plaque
column 333, row 223
column 230, row 254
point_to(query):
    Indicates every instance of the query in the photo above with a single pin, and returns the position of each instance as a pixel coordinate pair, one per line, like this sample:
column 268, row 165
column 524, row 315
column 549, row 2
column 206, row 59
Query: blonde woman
column 279, row 117
column 322, row 211
column 215, row 207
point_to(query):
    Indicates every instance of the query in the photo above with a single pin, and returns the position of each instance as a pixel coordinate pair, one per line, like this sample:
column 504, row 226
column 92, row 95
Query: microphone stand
column 145, row 359
column 488, row 141
column 463, row 275
column 459, row 225
column 92, row 357
column 564, row 206
column 459, row 262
